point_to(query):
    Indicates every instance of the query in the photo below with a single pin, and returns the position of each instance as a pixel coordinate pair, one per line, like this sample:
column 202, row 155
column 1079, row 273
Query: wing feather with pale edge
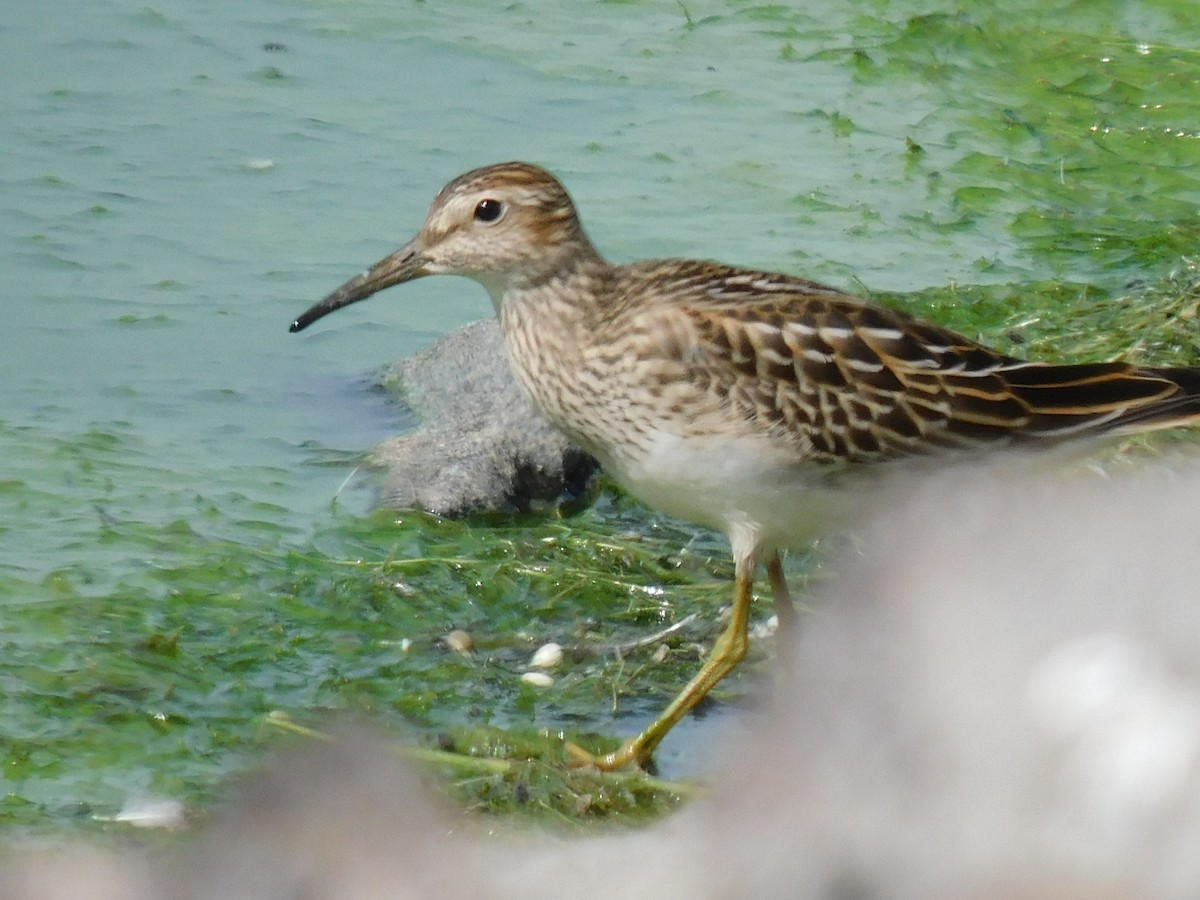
column 842, row 378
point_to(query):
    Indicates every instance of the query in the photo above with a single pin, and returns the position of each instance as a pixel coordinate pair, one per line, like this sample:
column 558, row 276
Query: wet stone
column 482, row 447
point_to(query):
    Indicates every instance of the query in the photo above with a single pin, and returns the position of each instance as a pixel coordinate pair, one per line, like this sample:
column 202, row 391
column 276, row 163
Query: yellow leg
column 785, row 611
column 726, row 653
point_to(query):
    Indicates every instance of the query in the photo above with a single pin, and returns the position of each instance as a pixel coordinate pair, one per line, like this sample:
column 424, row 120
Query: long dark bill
column 403, row 265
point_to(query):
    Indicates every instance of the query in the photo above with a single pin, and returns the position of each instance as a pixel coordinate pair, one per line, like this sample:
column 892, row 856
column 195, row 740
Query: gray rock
column 482, row 446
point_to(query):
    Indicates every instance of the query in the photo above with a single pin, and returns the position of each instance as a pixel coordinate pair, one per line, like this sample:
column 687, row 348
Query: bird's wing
column 839, row 378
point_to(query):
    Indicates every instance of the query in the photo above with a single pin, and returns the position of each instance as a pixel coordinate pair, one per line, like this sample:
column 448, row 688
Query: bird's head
column 499, row 225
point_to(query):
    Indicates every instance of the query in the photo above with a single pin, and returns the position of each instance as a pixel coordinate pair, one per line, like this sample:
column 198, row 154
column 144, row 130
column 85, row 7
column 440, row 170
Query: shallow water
column 179, row 185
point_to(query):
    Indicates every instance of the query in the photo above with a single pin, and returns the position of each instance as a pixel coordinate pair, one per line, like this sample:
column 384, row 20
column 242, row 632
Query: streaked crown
column 501, row 222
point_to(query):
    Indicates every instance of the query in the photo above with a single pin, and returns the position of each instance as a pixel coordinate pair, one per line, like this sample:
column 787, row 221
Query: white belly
column 737, row 485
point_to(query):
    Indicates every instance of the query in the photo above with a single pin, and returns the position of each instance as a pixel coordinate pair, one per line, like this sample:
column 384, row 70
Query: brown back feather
column 844, row 380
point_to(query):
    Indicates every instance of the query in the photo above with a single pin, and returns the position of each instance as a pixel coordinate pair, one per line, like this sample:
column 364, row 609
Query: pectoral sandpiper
column 741, row 400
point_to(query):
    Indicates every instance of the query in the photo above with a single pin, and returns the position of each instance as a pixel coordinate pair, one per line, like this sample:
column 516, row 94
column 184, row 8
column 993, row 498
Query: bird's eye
column 488, row 210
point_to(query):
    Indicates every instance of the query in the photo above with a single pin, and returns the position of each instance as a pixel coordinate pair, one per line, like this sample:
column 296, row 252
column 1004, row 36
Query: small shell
column 537, row 679
column 547, row 656
column 459, row 641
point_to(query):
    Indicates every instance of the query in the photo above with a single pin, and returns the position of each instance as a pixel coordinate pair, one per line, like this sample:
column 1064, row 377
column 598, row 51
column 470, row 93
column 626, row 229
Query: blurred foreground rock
column 998, row 696
column 482, row 446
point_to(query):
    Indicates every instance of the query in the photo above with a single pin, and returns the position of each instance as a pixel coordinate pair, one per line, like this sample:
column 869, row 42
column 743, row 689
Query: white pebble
column 459, row 641
column 537, row 679
column 547, row 656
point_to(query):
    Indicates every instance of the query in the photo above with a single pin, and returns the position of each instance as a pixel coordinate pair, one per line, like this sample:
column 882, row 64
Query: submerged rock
column 482, row 446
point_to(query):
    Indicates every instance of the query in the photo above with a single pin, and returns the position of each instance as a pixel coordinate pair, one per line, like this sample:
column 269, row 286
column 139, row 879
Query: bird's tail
column 1099, row 398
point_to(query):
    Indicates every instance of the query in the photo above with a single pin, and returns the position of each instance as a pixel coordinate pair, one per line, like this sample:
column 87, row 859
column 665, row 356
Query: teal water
column 180, row 182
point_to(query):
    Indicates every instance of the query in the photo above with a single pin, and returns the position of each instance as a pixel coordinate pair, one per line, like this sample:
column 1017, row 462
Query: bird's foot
column 632, row 754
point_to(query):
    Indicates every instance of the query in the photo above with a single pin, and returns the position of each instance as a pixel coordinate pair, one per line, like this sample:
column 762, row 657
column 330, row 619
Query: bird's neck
column 556, row 304
column 561, row 293
column 548, row 325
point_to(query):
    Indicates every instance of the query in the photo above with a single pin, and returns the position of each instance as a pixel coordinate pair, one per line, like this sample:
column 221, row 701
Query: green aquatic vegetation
column 1152, row 323
column 157, row 687
column 1072, row 131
